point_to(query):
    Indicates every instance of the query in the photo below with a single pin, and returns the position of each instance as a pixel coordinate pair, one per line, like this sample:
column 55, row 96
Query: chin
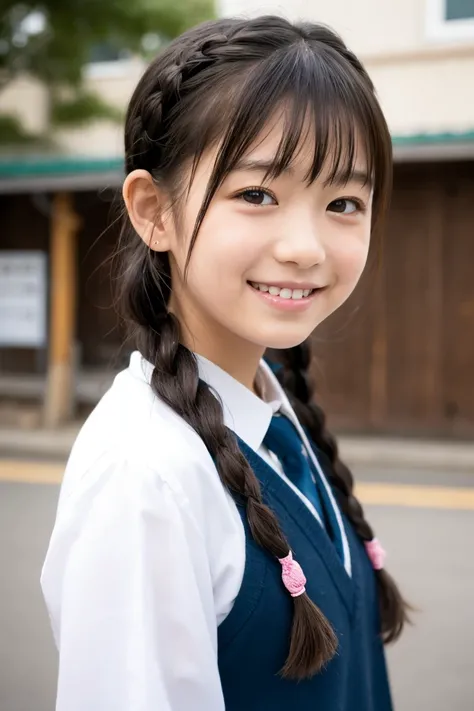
column 282, row 341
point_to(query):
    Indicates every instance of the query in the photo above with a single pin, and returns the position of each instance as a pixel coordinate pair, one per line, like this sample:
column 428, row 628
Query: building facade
column 399, row 357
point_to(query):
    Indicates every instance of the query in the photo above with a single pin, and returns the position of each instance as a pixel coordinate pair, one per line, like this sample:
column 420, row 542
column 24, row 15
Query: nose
column 302, row 244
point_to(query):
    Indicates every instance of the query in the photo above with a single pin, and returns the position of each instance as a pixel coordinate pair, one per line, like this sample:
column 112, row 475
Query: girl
column 202, row 559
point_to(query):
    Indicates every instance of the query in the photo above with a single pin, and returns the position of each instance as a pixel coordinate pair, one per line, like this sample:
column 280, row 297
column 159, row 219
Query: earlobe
column 146, row 209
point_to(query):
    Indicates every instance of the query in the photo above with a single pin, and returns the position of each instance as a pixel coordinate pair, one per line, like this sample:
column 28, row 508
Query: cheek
column 349, row 260
column 224, row 252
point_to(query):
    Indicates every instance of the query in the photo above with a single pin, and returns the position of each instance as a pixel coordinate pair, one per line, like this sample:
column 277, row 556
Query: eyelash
column 256, row 189
column 360, row 206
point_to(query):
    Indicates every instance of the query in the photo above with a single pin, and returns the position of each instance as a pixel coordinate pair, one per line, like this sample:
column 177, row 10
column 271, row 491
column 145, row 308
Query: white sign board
column 23, row 297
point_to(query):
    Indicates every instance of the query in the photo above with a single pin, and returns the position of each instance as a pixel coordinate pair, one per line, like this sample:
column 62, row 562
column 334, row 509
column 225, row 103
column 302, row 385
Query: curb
column 357, row 451
column 423, row 454
column 38, row 444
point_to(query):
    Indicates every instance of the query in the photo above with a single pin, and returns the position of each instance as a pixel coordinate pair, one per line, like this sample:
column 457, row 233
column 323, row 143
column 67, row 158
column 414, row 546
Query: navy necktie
column 283, row 440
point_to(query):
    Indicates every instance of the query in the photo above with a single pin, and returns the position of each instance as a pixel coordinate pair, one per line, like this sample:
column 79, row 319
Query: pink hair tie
column 292, row 575
column 376, row 553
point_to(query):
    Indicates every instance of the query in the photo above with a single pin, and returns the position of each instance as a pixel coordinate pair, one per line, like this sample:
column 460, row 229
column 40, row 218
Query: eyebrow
column 356, row 176
column 259, row 166
column 340, row 178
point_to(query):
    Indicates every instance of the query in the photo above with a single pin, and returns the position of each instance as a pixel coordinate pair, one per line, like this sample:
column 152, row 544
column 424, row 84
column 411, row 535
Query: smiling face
column 263, row 245
column 273, row 257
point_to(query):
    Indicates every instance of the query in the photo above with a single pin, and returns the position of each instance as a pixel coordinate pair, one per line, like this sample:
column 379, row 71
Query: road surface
column 425, row 520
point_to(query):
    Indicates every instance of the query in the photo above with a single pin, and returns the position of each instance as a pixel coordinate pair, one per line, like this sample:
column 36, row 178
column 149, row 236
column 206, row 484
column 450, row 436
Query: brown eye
column 257, row 197
column 344, row 206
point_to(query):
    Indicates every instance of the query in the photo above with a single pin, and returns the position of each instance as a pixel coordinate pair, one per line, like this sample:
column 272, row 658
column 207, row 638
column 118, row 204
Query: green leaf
column 56, row 45
column 52, row 40
column 13, row 133
column 81, row 109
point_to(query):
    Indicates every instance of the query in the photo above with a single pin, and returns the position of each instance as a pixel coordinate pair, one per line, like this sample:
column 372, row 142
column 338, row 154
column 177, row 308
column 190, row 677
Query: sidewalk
column 357, row 451
column 38, row 443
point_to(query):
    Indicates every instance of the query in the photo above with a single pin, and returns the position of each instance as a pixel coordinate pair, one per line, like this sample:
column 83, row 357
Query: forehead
column 275, row 151
column 307, row 154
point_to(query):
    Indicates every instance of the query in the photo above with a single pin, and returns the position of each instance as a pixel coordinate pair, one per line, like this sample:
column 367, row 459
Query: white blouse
column 147, row 555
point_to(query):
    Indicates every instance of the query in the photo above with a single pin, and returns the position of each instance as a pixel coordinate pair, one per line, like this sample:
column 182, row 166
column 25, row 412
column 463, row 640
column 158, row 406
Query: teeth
column 282, row 293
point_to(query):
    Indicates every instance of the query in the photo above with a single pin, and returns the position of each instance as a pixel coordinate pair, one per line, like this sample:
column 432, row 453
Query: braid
column 295, row 380
column 149, row 118
column 176, row 381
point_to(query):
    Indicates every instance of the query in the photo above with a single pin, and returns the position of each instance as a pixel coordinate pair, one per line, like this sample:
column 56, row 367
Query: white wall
column 425, row 85
column 427, row 95
column 368, row 26
column 115, row 85
column 28, row 99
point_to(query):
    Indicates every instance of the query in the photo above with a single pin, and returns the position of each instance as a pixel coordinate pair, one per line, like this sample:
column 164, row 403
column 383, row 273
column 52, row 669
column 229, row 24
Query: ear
column 147, row 208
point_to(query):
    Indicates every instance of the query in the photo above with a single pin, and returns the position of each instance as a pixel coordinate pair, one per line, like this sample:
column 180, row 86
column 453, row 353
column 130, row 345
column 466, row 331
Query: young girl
column 209, row 552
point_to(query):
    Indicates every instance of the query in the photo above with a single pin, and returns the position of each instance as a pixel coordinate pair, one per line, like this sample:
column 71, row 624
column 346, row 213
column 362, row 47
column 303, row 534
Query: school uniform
column 158, row 596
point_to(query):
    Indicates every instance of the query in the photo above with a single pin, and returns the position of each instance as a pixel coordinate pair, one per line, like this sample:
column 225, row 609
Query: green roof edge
column 43, row 166
column 433, row 139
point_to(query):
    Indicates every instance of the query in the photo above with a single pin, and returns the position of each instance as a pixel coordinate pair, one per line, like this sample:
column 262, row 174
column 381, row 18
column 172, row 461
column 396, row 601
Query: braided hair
column 220, row 82
column 294, row 378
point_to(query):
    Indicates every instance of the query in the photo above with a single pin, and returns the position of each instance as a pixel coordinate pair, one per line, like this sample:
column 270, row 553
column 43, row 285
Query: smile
column 282, row 292
column 285, row 298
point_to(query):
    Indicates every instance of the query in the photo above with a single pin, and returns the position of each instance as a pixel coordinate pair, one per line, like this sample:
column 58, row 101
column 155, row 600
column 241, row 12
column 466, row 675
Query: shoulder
column 134, row 435
column 139, row 479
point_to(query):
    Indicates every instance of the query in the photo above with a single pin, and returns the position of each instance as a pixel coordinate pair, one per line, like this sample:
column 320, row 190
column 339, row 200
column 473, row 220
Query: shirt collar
column 244, row 413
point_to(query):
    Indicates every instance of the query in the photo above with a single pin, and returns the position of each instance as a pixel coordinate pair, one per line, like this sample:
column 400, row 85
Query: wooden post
column 435, row 264
column 378, row 370
column 59, row 394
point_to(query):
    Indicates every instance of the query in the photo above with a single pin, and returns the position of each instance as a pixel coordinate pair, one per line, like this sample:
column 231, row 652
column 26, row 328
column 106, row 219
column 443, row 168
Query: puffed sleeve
column 129, row 591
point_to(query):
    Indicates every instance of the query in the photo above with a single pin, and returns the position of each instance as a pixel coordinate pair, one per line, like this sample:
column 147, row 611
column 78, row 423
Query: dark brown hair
column 219, row 84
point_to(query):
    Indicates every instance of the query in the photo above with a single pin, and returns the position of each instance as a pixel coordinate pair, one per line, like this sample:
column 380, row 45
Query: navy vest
column 253, row 641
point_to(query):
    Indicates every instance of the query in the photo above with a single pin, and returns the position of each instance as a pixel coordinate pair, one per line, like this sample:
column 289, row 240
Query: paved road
column 432, row 668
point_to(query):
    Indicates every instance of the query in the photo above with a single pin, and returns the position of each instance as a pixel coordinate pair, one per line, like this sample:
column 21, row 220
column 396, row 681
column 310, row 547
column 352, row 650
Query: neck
column 239, row 363
column 238, row 358
column 244, row 371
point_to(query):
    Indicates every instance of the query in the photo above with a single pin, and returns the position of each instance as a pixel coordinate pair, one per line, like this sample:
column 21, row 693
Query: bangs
column 325, row 104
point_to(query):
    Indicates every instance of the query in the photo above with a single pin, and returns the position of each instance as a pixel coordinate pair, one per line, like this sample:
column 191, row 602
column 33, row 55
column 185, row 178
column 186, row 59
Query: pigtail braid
column 175, row 380
column 294, row 378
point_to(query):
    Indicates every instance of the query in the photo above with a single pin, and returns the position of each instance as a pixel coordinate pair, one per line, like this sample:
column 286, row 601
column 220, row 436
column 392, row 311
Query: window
column 459, row 10
column 106, row 60
column 107, row 53
column 450, row 19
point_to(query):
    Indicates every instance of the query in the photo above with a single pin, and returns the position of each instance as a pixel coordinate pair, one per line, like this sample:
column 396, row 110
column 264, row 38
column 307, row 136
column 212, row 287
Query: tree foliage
column 52, row 40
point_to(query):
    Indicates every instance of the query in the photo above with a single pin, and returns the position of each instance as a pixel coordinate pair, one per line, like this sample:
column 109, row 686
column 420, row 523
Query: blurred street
column 428, row 535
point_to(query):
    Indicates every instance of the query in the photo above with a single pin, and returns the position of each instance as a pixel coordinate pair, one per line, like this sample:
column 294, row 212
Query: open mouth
column 283, row 293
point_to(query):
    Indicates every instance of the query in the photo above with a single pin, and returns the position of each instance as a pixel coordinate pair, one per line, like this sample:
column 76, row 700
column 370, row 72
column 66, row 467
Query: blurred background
column 394, row 368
